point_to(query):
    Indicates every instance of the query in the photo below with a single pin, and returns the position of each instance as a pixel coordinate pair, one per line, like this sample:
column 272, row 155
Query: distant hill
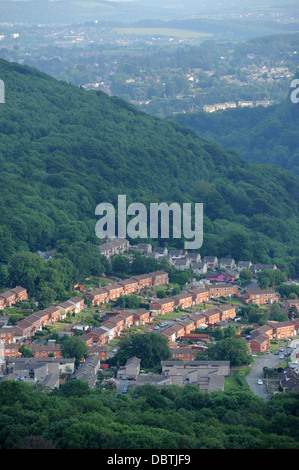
column 262, row 135
column 64, row 150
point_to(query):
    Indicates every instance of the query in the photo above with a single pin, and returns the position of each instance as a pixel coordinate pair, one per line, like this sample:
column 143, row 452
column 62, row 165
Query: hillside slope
column 64, row 150
column 264, row 135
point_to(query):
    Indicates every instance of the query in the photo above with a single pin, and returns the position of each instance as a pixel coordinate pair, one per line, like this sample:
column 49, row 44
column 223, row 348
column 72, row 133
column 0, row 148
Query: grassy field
column 154, row 32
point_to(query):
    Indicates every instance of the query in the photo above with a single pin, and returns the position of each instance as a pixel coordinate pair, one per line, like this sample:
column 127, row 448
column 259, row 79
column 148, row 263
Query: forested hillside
column 263, row 135
column 64, row 150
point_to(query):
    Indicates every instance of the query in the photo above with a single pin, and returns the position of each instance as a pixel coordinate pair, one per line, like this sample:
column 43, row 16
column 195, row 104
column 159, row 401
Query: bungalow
column 78, row 304
column 141, row 317
column 183, row 300
column 97, row 297
column 255, row 295
column 200, row 295
column 144, row 280
column 128, row 318
column 218, row 277
column 211, row 261
column 260, row 267
column 227, row 263
column 159, row 278
column 212, row 316
column 129, row 286
column 162, row 306
column 222, row 290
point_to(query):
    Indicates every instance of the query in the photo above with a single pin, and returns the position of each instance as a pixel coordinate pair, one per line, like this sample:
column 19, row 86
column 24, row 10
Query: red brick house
column 114, row 291
column 212, row 316
column 78, row 304
column 200, row 295
column 46, row 350
column 198, row 319
column 88, row 339
column 179, row 330
column 260, row 343
column 184, row 353
column 97, row 297
column 99, row 351
column 188, row 325
column 144, row 280
column 183, row 301
column 119, row 321
column 159, row 278
column 45, row 317
column 6, row 335
column 141, row 317
column 226, row 312
column 55, row 313
column 12, row 350
column 100, row 336
column 22, row 330
column 21, row 293
column 222, row 290
column 169, row 334
column 162, row 306
column 128, row 317
column 255, row 295
column 283, row 330
column 112, row 329
column 2, row 303
column 129, row 286
column 9, row 298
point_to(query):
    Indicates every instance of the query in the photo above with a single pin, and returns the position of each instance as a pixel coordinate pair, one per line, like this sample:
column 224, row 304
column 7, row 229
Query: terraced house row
column 13, row 336
column 209, row 317
column 135, row 284
column 194, row 297
column 11, row 297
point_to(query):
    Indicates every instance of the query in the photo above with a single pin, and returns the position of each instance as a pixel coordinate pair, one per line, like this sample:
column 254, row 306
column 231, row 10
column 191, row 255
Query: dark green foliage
column 64, row 150
column 75, row 417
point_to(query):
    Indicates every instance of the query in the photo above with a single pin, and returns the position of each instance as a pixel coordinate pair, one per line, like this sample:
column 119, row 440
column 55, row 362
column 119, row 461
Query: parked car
column 260, row 382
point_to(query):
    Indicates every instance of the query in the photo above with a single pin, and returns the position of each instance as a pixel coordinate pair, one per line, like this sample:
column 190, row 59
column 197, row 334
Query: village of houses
column 208, row 303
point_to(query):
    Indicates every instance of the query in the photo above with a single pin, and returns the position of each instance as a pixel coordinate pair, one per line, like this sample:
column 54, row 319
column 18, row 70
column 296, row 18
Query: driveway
column 256, row 373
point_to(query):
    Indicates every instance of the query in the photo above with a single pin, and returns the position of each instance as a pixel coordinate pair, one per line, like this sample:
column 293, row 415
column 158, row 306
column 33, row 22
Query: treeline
column 76, row 417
